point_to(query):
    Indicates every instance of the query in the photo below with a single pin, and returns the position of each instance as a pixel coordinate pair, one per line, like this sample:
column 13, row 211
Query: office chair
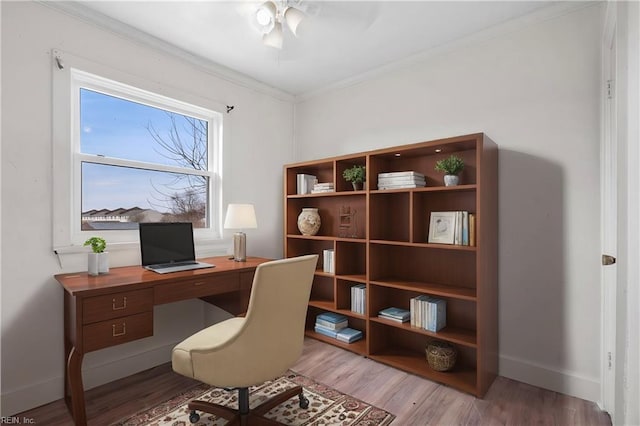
column 243, row 352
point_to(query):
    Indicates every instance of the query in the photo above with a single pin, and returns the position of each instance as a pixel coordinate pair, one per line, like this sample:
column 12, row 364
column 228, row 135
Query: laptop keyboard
column 172, row 264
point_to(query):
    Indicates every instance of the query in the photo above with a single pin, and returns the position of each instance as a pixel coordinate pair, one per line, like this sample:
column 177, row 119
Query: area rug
column 326, row 406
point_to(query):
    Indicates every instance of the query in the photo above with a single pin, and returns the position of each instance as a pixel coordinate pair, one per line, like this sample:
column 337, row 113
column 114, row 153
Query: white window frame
column 70, row 74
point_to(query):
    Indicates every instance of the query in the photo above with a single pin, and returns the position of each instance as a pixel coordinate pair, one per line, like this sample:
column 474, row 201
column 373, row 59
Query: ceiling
column 337, row 41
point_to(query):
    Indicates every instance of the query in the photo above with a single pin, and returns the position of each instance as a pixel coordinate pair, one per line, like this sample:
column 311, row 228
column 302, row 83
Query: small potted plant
column 98, row 259
column 451, row 166
column 355, row 175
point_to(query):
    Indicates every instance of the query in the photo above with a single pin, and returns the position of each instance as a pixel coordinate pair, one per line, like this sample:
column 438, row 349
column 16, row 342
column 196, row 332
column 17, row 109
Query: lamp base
column 240, row 247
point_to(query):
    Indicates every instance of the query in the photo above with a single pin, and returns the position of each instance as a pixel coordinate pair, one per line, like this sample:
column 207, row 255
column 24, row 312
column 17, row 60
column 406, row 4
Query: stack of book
column 395, row 314
column 358, row 298
column 328, row 261
column 305, row 183
column 322, row 187
column 349, row 335
column 398, row 180
column 429, row 313
column 335, row 326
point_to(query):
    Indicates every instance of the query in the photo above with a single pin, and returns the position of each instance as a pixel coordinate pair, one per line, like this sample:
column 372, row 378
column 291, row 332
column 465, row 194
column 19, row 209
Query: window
column 135, row 156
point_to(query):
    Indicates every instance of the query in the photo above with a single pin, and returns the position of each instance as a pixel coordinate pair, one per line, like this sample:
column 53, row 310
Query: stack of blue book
column 349, row 335
column 395, row 314
column 329, row 323
column 335, row 326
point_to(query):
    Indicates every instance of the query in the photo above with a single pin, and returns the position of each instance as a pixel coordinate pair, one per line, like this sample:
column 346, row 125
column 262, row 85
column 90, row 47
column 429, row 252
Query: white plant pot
column 451, row 180
column 98, row 263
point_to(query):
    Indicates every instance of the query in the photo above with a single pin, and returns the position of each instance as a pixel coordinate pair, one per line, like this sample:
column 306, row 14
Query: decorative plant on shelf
column 98, row 259
column 97, row 244
column 356, row 175
column 452, row 166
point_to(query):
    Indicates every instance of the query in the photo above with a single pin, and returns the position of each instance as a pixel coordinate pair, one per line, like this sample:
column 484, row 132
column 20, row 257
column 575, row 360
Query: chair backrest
column 276, row 316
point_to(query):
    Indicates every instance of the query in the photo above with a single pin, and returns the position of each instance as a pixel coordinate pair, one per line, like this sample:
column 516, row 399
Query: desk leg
column 75, row 388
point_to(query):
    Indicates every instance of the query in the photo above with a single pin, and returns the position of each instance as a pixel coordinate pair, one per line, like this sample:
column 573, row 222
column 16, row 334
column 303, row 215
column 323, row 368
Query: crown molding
column 92, row 17
column 544, row 14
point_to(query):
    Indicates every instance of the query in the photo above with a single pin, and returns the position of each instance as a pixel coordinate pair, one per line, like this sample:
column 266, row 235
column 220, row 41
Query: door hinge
column 608, row 260
column 609, row 360
column 609, row 89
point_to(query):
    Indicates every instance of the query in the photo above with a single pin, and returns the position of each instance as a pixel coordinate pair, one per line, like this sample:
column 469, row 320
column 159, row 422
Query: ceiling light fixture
column 270, row 16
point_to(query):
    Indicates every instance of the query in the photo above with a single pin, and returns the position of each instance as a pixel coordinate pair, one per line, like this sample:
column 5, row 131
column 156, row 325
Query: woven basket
column 441, row 356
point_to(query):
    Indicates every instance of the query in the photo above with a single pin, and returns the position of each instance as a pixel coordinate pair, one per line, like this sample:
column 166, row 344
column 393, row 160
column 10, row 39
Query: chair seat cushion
column 210, row 339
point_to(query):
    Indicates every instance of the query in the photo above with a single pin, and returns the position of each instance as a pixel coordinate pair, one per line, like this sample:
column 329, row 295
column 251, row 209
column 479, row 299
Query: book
column 395, row 314
column 437, row 314
column 349, row 335
column 396, row 174
column 304, row 183
column 399, row 181
column 405, row 185
column 358, row 298
column 457, row 235
column 331, row 317
column 325, row 331
column 393, row 318
column 472, row 229
column 328, row 261
column 331, row 325
column 465, row 228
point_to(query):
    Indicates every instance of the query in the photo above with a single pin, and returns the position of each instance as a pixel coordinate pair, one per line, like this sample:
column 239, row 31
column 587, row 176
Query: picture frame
column 442, row 227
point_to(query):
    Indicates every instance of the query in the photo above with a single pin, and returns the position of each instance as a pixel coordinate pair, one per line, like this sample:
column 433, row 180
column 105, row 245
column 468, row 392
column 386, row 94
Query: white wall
column 260, row 142
column 535, row 92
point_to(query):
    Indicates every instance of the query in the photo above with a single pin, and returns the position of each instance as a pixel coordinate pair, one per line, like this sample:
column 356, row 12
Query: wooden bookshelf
column 389, row 253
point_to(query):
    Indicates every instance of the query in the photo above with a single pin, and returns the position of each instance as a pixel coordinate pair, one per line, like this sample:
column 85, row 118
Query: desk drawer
column 122, row 304
column 197, row 287
column 116, row 331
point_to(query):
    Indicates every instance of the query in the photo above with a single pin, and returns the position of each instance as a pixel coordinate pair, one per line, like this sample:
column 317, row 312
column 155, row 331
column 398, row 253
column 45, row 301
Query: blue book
column 349, row 335
column 331, row 325
column 438, row 315
column 325, row 331
column 395, row 313
column 331, row 317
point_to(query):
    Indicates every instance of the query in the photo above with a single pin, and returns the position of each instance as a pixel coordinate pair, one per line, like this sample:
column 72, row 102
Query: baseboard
column 37, row 394
column 558, row 380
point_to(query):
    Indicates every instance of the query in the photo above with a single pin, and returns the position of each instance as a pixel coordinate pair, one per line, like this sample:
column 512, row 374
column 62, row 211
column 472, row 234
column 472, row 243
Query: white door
column 608, row 203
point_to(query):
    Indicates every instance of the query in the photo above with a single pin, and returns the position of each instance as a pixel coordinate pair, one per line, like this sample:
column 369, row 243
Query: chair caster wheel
column 194, row 417
column 303, row 402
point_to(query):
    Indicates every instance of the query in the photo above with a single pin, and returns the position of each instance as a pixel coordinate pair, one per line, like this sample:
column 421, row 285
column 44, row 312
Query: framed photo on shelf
column 442, row 227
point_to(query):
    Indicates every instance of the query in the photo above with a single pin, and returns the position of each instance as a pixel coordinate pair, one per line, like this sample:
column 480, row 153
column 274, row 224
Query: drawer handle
column 118, row 308
column 199, row 283
column 124, row 330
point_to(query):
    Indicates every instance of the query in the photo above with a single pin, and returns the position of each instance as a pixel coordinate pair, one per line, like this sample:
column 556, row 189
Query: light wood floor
column 413, row 400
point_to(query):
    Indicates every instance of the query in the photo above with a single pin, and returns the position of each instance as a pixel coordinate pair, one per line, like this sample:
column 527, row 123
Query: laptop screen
column 166, row 242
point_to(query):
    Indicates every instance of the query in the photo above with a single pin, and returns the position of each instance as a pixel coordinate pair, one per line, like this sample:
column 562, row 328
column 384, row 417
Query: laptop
column 168, row 247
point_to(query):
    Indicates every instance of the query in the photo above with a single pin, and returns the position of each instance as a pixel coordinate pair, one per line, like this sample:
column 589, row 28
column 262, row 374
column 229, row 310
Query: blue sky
column 115, row 127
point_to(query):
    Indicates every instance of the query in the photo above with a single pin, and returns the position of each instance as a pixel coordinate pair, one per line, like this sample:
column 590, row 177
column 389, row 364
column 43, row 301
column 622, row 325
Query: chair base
column 244, row 416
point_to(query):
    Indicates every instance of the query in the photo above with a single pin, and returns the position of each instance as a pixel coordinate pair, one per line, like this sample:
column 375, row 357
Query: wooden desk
column 117, row 307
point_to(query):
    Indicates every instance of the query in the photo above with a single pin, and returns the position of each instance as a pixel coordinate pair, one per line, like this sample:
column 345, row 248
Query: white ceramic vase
column 451, row 180
column 309, row 221
column 98, row 263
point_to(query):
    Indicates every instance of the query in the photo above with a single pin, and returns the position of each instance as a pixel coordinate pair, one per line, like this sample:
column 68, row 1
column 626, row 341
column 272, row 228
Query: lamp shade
column 293, row 17
column 274, row 38
column 240, row 216
column 266, row 15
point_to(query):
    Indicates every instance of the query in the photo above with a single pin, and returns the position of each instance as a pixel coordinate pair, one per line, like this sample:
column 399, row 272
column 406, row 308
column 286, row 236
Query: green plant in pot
column 98, row 258
column 452, row 166
column 356, row 175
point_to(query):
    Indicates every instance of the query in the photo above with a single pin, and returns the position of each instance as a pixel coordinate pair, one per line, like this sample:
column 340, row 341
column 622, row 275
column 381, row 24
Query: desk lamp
column 240, row 216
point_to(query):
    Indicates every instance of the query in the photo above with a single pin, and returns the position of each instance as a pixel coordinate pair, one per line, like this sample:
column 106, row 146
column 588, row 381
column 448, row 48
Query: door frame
column 609, row 211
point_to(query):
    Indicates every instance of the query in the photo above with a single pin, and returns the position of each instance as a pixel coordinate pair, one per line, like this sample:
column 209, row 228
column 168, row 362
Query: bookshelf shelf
column 388, row 252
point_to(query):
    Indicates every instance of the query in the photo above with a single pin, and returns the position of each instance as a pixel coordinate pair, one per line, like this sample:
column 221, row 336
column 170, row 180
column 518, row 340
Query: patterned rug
column 326, row 406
